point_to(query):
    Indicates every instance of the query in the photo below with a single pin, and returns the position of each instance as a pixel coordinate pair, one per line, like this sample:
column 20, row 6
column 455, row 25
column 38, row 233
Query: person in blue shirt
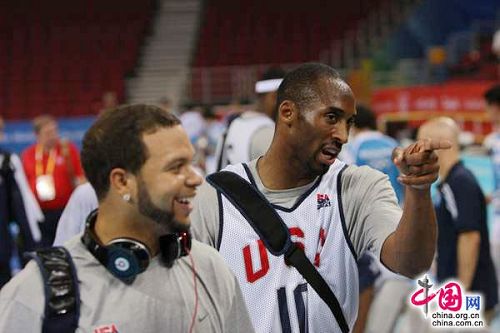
column 492, row 143
column 371, row 147
column 463, row 248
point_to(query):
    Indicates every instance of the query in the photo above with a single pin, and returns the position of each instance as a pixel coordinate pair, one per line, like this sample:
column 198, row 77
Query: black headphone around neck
column 127, row 257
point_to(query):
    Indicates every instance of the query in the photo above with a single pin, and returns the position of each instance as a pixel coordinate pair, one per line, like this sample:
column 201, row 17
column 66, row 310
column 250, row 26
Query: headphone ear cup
column 169, row 248
column 174, row 246
column 122, row 263
column 122, row 257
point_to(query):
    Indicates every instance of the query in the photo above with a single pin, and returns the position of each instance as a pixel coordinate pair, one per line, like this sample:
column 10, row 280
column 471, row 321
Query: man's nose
column 341, row 131
column 193, row 178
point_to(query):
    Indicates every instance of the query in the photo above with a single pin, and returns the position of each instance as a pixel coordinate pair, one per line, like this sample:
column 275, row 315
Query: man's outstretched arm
column 410, row 249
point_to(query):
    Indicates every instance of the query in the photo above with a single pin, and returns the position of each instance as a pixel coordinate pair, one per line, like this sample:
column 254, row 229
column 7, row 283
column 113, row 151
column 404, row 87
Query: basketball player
column 335, row 212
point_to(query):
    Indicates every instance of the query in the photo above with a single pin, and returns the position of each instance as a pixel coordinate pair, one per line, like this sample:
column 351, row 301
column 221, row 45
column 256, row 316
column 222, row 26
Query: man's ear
column 287, row 112
column 121, row 181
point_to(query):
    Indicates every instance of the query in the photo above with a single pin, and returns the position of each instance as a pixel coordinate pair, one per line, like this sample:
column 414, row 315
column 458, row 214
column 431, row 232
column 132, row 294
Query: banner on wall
column 450, row 97
column 19, row 134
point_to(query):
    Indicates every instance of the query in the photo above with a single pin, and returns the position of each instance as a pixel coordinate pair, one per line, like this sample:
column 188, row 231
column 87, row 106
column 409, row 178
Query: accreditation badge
column 45, row 187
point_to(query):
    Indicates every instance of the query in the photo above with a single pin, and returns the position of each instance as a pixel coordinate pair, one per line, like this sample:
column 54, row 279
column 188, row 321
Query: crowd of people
column 137, row 230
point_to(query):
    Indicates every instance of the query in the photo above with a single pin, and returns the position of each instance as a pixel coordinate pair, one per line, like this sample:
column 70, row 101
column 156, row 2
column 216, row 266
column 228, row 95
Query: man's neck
column 279, row 171
column 447, row 164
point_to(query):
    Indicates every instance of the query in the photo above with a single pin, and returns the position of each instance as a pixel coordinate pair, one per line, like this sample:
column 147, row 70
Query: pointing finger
column 437, row 144
column 420, row 158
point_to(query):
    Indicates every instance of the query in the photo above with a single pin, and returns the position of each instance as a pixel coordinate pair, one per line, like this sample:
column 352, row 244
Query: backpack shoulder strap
column 273, row 232
column 6, row 168
column 62, row 297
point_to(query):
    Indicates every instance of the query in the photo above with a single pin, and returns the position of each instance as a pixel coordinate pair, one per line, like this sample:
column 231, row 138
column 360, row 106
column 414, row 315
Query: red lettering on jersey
column 106, row 329
column 296, row 231
column 264, row 262
column 322, row 239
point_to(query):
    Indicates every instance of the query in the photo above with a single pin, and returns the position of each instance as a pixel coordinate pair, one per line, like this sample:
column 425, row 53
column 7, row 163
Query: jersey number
column 299, row 306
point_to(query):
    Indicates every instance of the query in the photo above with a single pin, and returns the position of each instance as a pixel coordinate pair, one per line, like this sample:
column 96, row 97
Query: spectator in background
column 17, row 204
column 367, row 146
column 463, row 248
column 207, row 145
column 192, row 120
column 83, row 200
column 249, row 134
column 53, row 168
column 495, row 47
column 109, row 101
column 492, row 143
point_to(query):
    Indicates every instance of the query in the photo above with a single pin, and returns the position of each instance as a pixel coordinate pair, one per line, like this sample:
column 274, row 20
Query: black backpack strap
column 62, row 298
column 273, row 232
column 7, row 173
column 5, row 169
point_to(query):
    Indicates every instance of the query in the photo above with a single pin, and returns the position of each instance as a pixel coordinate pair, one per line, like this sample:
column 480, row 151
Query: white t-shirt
column 83, row 200
column 160, row 299
column 247, row 137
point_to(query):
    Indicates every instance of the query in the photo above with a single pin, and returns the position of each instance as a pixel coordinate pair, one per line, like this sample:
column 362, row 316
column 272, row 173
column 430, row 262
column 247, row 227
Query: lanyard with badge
column 45, row 187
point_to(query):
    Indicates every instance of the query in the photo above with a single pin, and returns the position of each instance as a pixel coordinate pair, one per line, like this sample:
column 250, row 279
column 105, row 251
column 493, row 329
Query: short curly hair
column 115, row 141
column 301, row 84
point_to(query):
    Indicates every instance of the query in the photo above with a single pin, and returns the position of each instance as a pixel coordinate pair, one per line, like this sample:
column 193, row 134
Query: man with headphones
column 137, row 268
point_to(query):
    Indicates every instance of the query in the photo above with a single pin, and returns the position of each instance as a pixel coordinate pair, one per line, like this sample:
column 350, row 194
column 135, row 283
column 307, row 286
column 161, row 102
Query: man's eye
column 175, row 167
column 331, row 117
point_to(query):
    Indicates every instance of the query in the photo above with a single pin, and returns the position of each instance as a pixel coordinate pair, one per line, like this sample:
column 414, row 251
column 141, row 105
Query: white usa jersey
column 277, row 296
column 236, row 146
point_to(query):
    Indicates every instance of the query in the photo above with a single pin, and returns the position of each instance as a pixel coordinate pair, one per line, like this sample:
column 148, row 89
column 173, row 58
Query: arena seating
column 257, row 33
column 59, row 57
column 282, row 31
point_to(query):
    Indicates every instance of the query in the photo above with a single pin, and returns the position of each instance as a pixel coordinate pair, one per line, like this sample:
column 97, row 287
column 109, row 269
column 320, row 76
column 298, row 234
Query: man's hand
column 418, row 163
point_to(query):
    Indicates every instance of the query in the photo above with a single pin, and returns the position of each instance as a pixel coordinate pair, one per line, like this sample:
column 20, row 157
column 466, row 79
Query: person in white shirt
column 250, row 133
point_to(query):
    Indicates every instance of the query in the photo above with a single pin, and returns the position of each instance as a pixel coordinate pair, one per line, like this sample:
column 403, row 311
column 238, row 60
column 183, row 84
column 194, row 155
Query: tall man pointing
column 335, row 211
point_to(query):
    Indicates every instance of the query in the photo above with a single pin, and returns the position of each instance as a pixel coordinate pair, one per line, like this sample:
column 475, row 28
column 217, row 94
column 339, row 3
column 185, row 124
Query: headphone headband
column 127, row 257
